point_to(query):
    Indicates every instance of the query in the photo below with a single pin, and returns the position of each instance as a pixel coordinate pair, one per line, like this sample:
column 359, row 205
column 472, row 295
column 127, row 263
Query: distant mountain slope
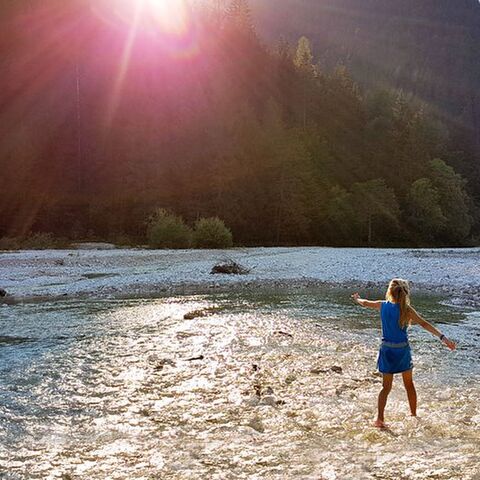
column 428, row 48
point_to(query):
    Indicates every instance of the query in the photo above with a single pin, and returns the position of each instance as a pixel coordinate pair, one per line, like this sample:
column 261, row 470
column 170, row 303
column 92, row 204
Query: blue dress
column 395, row 355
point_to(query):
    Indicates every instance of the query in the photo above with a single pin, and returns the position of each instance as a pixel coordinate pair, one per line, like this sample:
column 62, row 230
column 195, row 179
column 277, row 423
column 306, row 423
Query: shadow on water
column 12, row 340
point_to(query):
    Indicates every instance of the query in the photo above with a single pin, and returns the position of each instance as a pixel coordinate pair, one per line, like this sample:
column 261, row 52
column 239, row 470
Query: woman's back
column 391, row 330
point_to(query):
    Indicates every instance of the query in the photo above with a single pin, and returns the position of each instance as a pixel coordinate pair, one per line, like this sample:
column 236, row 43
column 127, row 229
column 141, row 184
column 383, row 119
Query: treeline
column 427, row 48
column 220, row 126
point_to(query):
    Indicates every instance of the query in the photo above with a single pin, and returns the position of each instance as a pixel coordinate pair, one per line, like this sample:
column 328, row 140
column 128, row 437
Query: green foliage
column 36, row 241
column 340, row 216
column 212, row 233
column 166, row 230
column 453, row 200
column 40, row 241
column 376, row 205
column 9, row 243
column 283, row 152
column 304, row 57
column 401, row 52
column 426, row 215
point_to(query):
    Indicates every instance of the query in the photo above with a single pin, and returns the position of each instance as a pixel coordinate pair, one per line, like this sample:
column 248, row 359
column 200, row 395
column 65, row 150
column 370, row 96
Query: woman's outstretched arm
column 416, row 319
column 376, row 304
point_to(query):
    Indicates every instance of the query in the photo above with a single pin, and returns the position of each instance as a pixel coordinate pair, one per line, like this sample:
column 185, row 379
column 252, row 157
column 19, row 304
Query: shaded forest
column 215, row 123
column 426, row 48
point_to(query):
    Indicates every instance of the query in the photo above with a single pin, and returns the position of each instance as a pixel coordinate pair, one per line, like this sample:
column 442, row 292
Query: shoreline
column 49, row 275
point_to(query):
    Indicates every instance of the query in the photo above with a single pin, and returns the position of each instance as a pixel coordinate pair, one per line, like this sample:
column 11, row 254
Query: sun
column 164, row 16
column 171, row 16
column 168, row 23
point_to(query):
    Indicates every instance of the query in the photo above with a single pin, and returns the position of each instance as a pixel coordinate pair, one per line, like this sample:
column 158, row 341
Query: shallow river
column 266, row 386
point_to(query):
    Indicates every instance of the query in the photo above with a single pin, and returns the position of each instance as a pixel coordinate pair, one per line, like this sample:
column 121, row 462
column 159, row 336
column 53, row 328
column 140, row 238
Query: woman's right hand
column 355, row 296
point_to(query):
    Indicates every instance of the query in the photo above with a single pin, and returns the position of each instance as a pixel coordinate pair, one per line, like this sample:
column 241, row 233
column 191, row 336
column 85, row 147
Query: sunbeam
column 169, row 17
column 139, row 6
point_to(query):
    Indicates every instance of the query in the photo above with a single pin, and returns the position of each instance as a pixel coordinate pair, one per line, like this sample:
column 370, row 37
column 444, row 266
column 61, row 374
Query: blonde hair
column 399, row 292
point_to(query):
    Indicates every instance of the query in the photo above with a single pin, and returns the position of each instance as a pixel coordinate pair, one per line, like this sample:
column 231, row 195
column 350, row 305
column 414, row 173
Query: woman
column 394, row 356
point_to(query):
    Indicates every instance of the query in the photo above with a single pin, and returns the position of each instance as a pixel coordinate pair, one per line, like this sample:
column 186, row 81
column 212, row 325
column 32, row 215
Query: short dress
column 395, row 355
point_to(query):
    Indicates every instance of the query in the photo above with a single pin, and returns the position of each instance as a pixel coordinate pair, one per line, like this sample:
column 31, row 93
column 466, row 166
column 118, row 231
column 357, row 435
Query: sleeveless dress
column 395, row 355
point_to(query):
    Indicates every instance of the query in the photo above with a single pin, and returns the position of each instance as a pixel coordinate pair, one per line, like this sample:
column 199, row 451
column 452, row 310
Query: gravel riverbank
column 34, row 275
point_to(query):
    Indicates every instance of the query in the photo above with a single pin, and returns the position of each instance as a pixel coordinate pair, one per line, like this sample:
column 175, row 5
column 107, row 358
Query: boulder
column 230, row 268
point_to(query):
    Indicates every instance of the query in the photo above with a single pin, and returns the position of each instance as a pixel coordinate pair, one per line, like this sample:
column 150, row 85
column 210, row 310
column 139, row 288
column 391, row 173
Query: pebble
column 313, row 267
column 199, row 357
column 253, row 401
column 268, row 400
column 257, row 424
column 318, row 370
column 280, row 332
column 290, row 379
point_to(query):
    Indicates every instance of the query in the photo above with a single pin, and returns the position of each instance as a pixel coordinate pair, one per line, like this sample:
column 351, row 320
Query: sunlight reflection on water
column 265, row 386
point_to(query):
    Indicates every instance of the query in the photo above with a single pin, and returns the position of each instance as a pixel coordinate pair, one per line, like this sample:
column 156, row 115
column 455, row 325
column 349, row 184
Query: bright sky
column 170, row 19
column 167, row 16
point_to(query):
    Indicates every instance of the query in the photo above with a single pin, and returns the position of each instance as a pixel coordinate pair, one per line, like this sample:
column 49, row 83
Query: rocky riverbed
column 139, row 272
column 125, row 364
column 264, row 386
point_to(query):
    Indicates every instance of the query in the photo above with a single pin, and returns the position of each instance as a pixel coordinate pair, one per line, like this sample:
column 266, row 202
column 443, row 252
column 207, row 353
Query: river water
column 266, row 386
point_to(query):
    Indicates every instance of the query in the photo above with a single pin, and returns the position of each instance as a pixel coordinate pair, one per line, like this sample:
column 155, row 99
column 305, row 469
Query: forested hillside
column 217, row 122
column 426, row 48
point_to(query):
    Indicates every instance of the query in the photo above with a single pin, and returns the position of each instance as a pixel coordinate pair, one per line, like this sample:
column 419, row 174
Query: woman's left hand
column 449, row 343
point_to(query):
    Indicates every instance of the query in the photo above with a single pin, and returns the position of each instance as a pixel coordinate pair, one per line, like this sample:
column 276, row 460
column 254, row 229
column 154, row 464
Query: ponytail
column 399, row 292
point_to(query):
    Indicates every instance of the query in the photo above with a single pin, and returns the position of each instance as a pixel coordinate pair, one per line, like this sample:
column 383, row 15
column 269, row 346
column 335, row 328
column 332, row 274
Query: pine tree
column 239, row 16
column 304, row 57
column 303, row 61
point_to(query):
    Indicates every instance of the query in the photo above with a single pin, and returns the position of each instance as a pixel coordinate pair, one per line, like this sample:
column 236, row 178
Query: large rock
column 230, row 268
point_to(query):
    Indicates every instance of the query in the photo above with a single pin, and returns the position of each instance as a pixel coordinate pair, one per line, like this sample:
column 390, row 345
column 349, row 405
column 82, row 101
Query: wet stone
column 333, row 368
column 162, row 362
column 290, row 379
column 200, row 313
column 285, row 334
column 268, row 391
column 317, row 370
column 268, row 400
column 253, row 401
column 192, row 359
column 257, row 424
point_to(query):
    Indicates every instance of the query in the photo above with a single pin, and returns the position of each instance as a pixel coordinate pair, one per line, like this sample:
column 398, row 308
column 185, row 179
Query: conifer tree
column 304, row 62
column 239, row 15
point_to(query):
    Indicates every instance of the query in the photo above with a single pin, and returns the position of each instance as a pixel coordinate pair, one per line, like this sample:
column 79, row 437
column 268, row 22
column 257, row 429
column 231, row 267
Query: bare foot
column 380, row 424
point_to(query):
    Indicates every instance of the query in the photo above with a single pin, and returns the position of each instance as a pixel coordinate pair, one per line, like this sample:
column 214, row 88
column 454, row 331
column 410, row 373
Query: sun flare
column 169, row 22
column 170, row 15
column 163, row 16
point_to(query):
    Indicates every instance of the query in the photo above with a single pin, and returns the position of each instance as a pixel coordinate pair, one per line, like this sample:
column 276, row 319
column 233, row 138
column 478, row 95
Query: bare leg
column 382, row 399
column 411, row 392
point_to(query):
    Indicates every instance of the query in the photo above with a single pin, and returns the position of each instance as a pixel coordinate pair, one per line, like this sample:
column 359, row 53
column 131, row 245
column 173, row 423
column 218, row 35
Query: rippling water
column 267, row 386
